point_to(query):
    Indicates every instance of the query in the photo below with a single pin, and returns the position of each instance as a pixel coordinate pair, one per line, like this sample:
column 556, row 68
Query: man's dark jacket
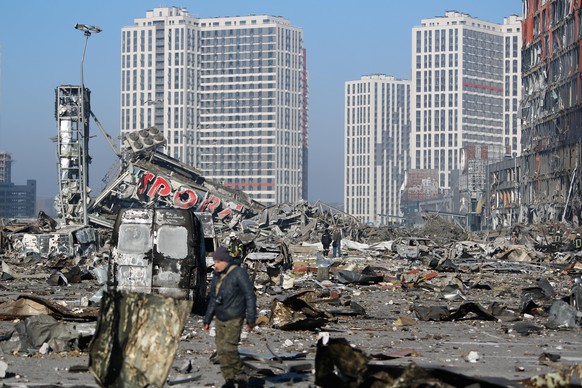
column 326, row 239
column 236, row 297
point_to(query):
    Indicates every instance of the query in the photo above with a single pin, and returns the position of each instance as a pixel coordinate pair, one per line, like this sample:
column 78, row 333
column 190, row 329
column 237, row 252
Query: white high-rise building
column 229, row 93
column 512, row 90
column 465, row 89
column 376, row 133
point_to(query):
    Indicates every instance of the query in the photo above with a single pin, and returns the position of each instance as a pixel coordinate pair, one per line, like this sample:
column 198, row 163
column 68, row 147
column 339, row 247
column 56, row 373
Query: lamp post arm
column 104, row 132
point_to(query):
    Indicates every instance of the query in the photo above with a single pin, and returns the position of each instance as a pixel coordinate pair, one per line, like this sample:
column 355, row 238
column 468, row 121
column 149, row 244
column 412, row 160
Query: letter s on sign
column 146, row 178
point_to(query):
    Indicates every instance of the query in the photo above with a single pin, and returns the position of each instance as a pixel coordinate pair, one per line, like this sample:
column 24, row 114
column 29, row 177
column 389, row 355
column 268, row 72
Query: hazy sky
column 40, row 49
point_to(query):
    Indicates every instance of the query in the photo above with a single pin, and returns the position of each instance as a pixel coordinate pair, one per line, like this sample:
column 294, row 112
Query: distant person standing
column 236, row 249
column 337, row 242
column 232, row 300
column 326, row 242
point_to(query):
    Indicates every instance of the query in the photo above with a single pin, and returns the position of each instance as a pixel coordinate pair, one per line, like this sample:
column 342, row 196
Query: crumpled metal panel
column 571, row 377
column 131, row 325
column 45, row 244
column 131, row 272
column 297, row 312
column 86, row 235
column 161, row 181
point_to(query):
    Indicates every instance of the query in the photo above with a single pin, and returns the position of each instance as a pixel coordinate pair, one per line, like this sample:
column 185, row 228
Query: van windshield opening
column 173, row 241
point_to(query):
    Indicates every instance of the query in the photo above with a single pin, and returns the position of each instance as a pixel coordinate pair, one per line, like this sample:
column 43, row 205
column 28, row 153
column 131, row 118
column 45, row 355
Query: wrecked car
column 158, row 250
column 413, row 247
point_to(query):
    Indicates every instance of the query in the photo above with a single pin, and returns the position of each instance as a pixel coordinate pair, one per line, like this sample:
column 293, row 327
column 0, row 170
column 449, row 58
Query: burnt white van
column 158, row 250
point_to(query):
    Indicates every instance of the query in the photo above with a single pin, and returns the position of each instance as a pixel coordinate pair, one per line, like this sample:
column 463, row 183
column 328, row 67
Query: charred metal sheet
column 131, row 325
column 414, row 375
column 532, row 297
column 527, row 328
column 29, row 305
column 296, row 312
column 35, row 331
column 281, row 362
column 66, row 241
column 338, row 364
column 347, row 277
column 44, row 245
column 442, row 313
column 570, row 377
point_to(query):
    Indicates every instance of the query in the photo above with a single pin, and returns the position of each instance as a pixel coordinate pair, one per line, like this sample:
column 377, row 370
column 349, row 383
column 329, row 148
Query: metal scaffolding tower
column 72, row 153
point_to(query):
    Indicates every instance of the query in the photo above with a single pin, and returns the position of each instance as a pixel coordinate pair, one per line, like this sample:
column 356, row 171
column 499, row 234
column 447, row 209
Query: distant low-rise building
column 421, row 193
column 473, row 181
column 18, row 201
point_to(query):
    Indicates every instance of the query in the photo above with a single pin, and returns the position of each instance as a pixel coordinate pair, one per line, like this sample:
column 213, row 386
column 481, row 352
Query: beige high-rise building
column 465, row 89
column 229, row 93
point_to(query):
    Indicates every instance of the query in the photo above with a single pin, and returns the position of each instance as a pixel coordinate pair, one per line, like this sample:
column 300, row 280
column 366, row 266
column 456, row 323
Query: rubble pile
column 423, row 304
column 440, row 230
column 407, row 302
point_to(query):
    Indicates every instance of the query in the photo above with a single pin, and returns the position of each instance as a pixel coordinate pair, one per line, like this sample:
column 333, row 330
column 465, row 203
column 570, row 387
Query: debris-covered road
column 493, row 309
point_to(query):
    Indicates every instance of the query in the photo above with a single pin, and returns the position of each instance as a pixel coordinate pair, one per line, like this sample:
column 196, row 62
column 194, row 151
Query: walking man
column 232, row 300
column 337, row 242
column 326, row 242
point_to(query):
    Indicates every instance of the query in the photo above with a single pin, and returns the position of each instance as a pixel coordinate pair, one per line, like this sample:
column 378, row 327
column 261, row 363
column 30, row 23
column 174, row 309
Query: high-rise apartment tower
column 229, row 94
column 377, row 125
column 465, row 89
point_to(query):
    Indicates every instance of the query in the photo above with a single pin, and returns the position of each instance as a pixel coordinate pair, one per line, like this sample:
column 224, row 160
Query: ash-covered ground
column 511, row 341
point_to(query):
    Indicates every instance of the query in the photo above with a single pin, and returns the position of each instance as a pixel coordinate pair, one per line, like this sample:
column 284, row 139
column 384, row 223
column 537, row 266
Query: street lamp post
column 87, row 31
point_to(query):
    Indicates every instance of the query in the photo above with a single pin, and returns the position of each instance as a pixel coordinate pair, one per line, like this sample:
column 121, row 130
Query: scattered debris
column 297, row 312
column 28, row 305
column 569, row 377
column 136, row 338
column 436, row 274
column 340, row 364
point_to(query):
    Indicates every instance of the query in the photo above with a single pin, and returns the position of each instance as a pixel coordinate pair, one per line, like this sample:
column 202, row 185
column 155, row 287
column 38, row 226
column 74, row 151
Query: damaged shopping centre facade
column 543, row 185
